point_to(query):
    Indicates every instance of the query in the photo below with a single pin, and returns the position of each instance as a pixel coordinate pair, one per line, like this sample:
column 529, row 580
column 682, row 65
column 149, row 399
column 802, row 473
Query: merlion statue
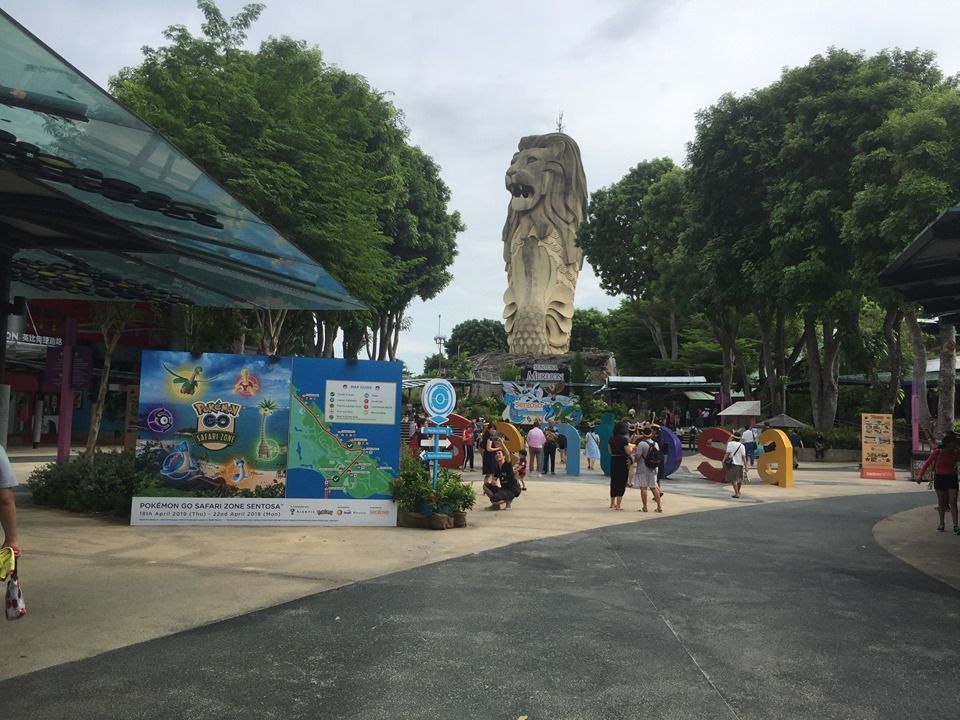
column 540, row 247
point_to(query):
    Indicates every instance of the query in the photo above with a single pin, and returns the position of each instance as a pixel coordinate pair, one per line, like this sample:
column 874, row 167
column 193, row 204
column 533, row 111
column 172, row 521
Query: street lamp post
column 439, row 340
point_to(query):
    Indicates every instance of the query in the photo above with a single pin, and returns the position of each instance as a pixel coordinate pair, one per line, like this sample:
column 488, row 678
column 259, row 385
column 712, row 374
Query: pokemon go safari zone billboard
column 253, row 440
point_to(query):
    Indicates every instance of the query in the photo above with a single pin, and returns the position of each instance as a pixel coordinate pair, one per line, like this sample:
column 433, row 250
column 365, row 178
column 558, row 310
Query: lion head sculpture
column 549, row 190
column 548, row 202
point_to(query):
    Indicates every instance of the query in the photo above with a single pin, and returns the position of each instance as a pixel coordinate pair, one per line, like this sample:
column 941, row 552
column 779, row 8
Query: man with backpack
column 648, row 460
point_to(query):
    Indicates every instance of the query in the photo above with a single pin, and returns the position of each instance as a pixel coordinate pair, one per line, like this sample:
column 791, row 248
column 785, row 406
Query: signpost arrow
column 436, row 430
column 430, row 442
column 448, row 455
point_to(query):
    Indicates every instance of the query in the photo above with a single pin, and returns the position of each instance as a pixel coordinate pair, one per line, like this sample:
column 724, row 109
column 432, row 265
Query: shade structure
column 95, row 204
column 698, row 395
column 928, row 270
column 744, row 408
column 783, row 421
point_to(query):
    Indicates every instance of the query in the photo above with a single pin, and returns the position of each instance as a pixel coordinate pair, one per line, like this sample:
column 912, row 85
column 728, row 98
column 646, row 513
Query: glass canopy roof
column 89, row 189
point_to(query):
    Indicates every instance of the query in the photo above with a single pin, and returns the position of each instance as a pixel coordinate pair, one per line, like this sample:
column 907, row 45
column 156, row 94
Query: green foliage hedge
column 112, row 479
column 104, row 483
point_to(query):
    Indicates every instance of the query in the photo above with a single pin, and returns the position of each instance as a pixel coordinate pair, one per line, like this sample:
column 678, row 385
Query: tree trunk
column 331, row 330
column 891, row 333
column 395, row 340
column 919, row 366
column 674, row 334
column 725, row 330
column 109, row 344
column 656, row 332
column 271, row 323
column 948, row 377
column 824, row 372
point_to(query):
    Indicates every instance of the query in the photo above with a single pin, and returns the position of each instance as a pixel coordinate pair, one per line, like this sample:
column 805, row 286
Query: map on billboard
column 344, row 429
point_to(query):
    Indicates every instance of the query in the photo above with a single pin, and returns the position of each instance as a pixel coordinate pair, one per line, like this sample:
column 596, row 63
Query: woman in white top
column 734, row 462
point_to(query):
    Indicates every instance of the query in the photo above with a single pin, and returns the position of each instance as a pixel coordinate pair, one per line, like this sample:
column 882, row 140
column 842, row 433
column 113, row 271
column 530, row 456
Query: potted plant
column 452, row 498
column 411, row 492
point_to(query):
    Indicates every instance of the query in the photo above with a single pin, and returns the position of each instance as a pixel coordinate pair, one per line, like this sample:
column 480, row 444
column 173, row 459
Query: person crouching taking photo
column 503, row 487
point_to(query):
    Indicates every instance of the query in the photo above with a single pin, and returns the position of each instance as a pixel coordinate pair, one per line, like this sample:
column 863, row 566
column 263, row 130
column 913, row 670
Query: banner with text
column 876, row 434
column 223, row 428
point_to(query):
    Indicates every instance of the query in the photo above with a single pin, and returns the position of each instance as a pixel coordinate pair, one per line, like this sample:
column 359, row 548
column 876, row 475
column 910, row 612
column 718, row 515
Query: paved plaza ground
column 833, row 599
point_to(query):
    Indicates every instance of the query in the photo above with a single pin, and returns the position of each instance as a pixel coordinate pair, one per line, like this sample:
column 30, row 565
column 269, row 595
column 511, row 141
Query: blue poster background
column 217, row 419
column 344, row 459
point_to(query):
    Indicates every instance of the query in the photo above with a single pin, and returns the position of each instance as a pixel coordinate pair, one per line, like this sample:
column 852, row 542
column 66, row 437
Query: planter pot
column 408, row 519
column 459, row 519
column 440, row 521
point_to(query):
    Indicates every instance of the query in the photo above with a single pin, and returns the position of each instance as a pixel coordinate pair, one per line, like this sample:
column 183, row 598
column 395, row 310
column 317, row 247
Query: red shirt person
column 944, row 460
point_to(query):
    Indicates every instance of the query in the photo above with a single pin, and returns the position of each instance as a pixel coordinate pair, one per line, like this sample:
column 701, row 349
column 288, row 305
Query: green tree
column 590, row 330
column 631, row 239
column 457, row 367
column 473, row 337
column 423, row 235
column 316, row 152
column 772, row 177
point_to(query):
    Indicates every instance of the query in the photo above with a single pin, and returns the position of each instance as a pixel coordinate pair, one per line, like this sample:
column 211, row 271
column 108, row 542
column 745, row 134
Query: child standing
column 522, row 470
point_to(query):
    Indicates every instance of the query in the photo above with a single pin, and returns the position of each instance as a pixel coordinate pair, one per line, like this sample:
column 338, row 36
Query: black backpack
column 652, row 459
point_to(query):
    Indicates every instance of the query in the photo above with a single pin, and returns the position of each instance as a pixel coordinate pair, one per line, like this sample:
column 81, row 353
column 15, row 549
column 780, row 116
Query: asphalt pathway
column 785, row 610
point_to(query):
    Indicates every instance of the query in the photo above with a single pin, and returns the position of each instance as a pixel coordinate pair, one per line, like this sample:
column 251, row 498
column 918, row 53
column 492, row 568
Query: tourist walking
column 593, row 448
column 619, row 445
column 535, row 443
column 734, row 460
column 797, row 443
column 749, row 439
column 468, row 445
column 647, row 461
column 944, row 460
column 8, row 505
column 551, row 435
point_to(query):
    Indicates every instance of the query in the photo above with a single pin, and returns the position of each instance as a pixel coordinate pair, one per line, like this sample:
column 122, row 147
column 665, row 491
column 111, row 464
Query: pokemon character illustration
column 188, row 386
column 247, row 385
column 241, row 474
column 178, row 465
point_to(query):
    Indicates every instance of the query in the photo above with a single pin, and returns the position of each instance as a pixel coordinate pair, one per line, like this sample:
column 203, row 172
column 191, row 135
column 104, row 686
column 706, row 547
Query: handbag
column 14, row 605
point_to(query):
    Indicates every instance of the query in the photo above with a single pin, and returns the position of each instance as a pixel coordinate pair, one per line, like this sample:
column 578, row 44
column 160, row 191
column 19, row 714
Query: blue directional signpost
column 438, row 398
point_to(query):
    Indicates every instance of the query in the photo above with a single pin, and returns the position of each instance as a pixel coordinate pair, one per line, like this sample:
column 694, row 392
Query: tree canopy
column 473, row 337
column 316, row 152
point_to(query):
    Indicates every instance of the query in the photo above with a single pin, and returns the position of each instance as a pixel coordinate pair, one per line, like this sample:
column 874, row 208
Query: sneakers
column 940, row 527
column 507, row 506
column 956, row 530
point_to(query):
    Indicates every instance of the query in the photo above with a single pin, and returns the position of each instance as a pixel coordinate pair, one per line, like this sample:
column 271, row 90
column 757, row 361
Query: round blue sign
column 438, row 398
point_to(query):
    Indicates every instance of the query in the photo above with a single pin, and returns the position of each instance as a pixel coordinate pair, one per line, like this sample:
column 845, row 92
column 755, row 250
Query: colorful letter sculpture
column 706, row 444
column 671, row 450
column 513, row 439
column 775, row 467
column 573, row 448
column 605, row 432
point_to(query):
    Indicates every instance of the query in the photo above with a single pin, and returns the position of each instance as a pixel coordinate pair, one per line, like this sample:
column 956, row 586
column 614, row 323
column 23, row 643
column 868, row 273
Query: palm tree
column 267, row 406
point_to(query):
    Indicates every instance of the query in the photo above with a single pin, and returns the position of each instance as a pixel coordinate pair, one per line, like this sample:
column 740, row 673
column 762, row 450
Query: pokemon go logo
column 216, row 424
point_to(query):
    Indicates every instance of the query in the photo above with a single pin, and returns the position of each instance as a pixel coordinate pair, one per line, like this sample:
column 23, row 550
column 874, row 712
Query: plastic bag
column 14, row 605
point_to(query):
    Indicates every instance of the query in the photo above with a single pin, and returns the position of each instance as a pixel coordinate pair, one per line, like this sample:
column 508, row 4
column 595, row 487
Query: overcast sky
column 472, row 77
